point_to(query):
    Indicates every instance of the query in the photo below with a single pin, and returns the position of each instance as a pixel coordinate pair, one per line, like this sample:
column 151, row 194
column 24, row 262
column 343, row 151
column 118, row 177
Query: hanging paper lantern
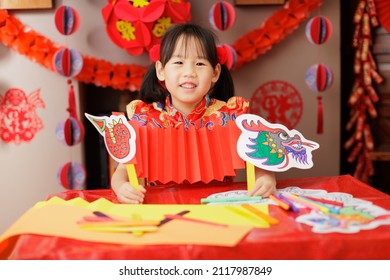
column 67, row 62
column 319, row 77
column 318, row 30
column 70, row 132
column 67, row 20
column 222, row 15
column 71, row 176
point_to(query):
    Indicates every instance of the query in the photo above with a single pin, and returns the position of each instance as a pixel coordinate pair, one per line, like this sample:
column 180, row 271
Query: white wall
column 28, row 171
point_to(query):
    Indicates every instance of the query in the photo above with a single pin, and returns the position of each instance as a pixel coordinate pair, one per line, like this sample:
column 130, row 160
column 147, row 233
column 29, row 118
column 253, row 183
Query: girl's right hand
column 126, row 193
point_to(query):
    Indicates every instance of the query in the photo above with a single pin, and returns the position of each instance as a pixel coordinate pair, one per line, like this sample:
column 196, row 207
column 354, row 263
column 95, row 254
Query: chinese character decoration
column 277, row 102
column 139, row 24
column 68, row 63
column 319, row 77
column 19, row 121
column 363, row 96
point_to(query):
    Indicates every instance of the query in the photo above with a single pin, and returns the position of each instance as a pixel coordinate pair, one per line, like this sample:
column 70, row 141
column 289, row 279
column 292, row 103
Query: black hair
column 151, row 88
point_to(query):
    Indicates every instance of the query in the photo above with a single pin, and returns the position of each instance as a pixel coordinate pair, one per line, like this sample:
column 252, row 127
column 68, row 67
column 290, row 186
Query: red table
column 286, row 240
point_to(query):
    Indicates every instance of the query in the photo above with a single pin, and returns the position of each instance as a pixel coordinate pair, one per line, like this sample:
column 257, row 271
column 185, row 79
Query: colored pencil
column 292, row 206
column 326, row 201
column 279, row 202
column 260, row 214
column 305, row 202
column 230, row 199
column 179, row 217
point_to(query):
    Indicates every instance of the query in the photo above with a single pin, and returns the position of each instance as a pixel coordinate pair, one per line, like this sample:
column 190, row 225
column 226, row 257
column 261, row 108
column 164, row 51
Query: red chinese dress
column 208, row 113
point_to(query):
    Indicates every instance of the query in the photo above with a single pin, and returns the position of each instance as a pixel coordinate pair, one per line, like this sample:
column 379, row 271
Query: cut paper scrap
column 119, row 138
column 273, row 146
column 355, row 215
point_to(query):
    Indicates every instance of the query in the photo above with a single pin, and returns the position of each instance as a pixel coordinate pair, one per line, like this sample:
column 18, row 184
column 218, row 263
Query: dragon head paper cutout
column 273, row 146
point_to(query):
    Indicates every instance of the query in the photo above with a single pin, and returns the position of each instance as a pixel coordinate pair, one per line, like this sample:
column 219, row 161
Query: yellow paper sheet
column 212, row 213
column 59, row 218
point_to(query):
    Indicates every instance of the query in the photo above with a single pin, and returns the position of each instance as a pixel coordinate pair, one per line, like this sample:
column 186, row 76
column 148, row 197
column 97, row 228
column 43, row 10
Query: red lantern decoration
column 67, row 20
column 67, row 62
column 319, row 30
column 71, row 176
column 222, row 16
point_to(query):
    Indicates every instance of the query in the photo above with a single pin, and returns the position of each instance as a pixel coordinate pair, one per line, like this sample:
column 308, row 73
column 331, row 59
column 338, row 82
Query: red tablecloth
column 286, row 240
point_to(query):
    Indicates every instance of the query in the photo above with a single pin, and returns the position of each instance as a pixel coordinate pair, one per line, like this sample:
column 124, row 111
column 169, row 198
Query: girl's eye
column 178, row 62
column 200, row 64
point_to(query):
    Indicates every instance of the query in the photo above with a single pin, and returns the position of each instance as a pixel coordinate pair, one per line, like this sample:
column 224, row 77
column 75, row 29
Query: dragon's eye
column 283, row 135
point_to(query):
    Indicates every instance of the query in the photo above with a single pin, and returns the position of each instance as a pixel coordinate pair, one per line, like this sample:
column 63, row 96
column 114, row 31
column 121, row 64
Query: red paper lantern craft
column 319, row 77
column 222, row 15
column 67, row 62
column 71, row 131
column 71, row 176
column 319, row 30
column 67, row 20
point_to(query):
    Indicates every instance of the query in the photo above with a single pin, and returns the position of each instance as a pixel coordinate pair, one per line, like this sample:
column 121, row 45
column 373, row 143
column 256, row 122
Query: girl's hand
column 265, row 183
column 126, row 193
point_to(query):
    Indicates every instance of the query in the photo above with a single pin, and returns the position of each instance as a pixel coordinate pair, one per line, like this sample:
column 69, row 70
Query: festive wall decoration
column 319, row 30
column 319, row 77
column 363, row 96
column 67, row 20
column 249, row 47
column 19, row 121
column 71, row 176
column 278, row 102
column 71, row 131
column 222, row 16
column 137, row 25
column 68, row 63
column 381, row 8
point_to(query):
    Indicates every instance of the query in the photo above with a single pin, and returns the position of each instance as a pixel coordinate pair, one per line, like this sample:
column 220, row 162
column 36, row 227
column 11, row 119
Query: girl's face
column 188, row 75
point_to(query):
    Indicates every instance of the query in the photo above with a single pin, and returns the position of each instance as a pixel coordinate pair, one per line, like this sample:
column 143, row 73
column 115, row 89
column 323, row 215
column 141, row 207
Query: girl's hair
column 151, row 88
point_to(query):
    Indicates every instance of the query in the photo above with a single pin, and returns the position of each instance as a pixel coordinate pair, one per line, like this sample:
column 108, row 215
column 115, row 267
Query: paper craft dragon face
column 272, row 146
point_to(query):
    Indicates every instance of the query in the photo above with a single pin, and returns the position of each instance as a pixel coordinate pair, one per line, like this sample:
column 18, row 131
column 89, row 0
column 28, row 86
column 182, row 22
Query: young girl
column 187, row 85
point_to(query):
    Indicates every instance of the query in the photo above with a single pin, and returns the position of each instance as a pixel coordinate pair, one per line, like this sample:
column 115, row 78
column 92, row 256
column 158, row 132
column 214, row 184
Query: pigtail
column 224, row 87
column 151, row 89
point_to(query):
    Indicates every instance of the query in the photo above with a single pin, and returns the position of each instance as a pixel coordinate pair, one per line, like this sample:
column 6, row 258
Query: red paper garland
column 121, row 76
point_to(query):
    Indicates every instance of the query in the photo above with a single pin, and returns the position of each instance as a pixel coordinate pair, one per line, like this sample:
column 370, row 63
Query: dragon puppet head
column 273, row 146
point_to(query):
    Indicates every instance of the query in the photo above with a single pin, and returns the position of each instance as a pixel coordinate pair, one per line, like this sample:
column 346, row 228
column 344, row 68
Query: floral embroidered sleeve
column 139, row 111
